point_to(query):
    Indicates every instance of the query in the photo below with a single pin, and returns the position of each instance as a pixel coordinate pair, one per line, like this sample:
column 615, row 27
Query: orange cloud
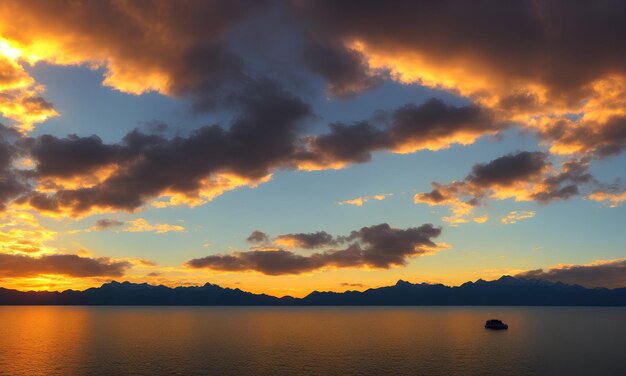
column 532, row 64
column 514, row 216
column 21, row 233
column 613, row 199
column 142, row 46
column 141, row 225
column 20, row 96
column 359, row 201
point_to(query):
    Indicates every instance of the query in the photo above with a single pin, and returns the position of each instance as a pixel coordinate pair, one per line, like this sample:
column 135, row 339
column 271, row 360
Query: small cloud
column 481, row 219
column 355, row 201
column 514, row 216
column 105, row 224
column 381, row 197
column 142, row 262
column 258, row 237
column 141, row 225
column 359, row 201
column 356, row 285
column 612, row 198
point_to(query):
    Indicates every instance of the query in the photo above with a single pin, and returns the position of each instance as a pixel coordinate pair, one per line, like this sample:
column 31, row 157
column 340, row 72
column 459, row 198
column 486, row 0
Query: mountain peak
column 402, row 282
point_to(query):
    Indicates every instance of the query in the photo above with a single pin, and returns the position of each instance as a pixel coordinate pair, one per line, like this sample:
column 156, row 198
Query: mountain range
column 506, row 291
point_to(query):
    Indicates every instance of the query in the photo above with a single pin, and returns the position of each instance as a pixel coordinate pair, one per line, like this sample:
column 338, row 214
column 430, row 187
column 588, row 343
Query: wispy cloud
column 359, row 201
column 514, row 216
column 142, row 225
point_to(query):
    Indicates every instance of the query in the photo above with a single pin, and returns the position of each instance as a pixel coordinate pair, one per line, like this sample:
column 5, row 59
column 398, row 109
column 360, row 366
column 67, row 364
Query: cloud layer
column 68, row 265
column 610, row 274
column 379, row 246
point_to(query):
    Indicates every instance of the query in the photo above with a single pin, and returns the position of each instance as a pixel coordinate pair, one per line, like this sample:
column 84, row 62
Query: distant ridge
column 506, row 291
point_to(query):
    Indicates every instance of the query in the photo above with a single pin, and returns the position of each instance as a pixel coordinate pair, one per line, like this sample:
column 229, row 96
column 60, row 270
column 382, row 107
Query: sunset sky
column 290, row 146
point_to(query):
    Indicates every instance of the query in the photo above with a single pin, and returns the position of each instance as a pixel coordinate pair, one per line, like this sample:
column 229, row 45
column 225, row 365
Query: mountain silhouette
column 506, row 291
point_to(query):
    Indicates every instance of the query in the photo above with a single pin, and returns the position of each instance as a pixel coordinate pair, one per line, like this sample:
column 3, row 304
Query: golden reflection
column 311, row 340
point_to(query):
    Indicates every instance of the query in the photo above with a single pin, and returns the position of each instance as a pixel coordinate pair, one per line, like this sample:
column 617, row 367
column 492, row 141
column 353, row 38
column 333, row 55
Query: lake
column 40, row 340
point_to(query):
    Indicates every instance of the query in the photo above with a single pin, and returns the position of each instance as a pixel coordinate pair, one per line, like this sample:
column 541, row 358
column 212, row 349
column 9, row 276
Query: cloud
column 258, row 237
column 507, row 170
column 13, row 182
column 514, row 216
column 106, row 223
column 379, row 246
column 345, row 69
column 20, row 99
column 531, row 65
column 21, row 233
column 482, row 219
column 609, row 273
column 357, row 285
column 613, row 196
column 537, row 62
column 573, row 100
column 69, row 265
column 432, row 125
column 523, row 176
column 180, row 170
column 78, row 176
column 141, row 225
column 355, row 201
column 147, row 46
column 359, row 201
column 308, row 241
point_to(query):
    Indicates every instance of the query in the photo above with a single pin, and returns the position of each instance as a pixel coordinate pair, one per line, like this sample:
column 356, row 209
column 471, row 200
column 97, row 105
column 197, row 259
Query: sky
column 283, row 147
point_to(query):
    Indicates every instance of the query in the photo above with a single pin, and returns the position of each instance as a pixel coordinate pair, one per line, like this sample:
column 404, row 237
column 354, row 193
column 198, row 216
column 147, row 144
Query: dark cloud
column 265, row 135
column 70, row 156
column 302, row 240
column 431, row 125
column 69, row 265
column 386, row 246
column 13, row 182
column 257, row 237
column 563, row 185
column 107, row 223
column 531, row 170
column 523, row 176
column 600, row 139
column 433, row 122
column 344, row 69
column 348, row 143
column 508, row 169
column 530, row 58
column 610, row 274
column 350, row 284
column 563, row 45
column 261, row 138
column 379, row 246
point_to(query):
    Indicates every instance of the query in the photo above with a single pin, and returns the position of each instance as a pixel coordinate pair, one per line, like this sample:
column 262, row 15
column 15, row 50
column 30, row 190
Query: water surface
column 310, row 341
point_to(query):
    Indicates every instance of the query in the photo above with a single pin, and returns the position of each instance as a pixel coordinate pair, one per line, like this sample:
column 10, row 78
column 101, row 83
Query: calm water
column 310, row 341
